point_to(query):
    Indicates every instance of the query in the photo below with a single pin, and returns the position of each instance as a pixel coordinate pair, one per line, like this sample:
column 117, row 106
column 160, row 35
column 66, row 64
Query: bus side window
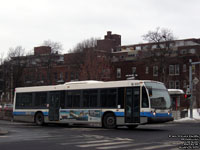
column 40, row 99
column 24, row 100
column 145, row 102
column 73, row 99
column 90, row 98
column 108, row 98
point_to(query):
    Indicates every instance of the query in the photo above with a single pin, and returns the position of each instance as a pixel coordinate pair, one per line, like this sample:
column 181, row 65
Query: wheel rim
column 110, row 121
column 39, row 119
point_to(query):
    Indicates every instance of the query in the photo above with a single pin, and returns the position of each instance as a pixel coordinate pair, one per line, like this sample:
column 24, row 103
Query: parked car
column 8, row 107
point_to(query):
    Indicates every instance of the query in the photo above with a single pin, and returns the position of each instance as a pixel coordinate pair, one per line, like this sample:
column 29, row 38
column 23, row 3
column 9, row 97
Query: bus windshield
column 159, row 96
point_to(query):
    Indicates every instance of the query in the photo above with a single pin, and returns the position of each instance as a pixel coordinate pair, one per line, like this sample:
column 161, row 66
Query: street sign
column 195, row 80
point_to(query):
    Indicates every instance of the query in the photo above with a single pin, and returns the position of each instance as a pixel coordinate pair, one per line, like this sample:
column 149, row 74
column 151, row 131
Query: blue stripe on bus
column 19, row 113
column 119, row 114
column 144, row 114
column 45, row 113
column 149, row 114
column 22, row 113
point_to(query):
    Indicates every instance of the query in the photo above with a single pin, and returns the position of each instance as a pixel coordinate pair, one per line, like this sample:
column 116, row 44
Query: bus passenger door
column 132, row 105
column 54, row 106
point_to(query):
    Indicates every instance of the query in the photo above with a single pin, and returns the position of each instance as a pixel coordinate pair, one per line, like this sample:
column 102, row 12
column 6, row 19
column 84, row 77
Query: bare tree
column 15, row 52
column 161, row 43
column 13, row 67
column 56, row 47
column 85, row 44
column 96, row 66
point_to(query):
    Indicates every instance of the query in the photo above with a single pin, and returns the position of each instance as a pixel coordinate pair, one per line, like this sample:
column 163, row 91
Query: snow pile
column 196, row 116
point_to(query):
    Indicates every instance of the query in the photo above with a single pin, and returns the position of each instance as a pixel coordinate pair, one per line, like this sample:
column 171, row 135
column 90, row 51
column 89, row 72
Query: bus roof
column 89, row 84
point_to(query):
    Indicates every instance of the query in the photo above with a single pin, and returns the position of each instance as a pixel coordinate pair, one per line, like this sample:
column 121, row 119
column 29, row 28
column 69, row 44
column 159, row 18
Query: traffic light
column 187, row 95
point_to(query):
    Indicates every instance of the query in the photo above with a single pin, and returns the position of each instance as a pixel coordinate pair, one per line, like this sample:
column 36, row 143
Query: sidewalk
column 3, row 132
column 187, row 120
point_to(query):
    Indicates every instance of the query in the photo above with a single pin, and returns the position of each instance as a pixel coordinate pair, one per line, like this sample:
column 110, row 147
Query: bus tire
column 132, row 126
column 109, row 121
column 39, row 119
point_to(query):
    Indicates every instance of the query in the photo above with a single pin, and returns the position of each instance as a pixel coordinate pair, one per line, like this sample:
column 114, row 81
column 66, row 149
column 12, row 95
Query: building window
column 55, row 75
column 192, row 51
column 133, row 70
column 177, row 72
column 76, row 76
column 177, row 84
column 72, row 76
column 147, row 70
column 155, row 70
column 171, row 84
column 118, row 72
column 183, row 51
column 184, row 68
column 171, row 69
column 61, row 76
column 138, row 48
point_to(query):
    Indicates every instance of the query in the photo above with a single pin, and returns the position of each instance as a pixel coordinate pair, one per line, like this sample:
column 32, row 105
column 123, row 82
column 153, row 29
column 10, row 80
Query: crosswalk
column 105, row 143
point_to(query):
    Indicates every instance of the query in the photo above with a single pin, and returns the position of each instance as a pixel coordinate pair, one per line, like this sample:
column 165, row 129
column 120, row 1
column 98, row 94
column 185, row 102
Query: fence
column 6, row 114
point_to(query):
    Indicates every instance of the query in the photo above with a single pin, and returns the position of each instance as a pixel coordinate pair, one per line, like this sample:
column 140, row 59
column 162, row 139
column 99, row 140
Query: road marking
column 116, row 146
column 101, row 144
column 157, row 147
column 86, row 142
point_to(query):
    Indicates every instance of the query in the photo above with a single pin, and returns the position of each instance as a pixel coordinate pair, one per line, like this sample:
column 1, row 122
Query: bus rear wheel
column 39, row 119
column 109, row 121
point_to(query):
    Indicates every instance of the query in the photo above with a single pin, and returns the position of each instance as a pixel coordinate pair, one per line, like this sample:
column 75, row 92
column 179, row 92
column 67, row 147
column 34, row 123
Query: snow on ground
column 196, row 116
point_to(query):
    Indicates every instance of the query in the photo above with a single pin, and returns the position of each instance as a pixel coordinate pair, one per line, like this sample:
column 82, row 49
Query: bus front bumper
column 159, row 119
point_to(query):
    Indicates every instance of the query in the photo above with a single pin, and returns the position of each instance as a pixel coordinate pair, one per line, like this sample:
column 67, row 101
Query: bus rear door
column 54, row 106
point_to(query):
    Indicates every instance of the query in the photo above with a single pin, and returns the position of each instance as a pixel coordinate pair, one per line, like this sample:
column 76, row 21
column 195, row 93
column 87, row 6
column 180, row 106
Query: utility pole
column 191, row 88
column 191, row 85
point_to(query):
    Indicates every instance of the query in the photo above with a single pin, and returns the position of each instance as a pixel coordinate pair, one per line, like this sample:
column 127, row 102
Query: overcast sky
column 29, row 22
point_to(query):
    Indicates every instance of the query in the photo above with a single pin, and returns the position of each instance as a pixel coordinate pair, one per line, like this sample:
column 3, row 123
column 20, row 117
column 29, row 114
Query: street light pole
column 191, row 88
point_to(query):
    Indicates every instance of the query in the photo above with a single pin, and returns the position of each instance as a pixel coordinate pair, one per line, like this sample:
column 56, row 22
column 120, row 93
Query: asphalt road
column 169, row 136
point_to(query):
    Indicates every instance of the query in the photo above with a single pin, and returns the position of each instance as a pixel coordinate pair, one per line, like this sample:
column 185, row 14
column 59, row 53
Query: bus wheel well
column 36, row 115
column 106, row 114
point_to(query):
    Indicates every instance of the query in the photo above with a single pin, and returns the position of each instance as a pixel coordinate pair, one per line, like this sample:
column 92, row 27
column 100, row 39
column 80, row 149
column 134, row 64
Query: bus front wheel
column 109, row 121
column 39, row 119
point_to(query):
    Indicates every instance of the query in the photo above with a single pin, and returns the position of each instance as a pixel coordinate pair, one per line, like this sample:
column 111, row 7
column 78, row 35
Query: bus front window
column 159, row 96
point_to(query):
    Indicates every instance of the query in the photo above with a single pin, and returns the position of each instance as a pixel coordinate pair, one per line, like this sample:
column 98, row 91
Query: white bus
column 109, row 104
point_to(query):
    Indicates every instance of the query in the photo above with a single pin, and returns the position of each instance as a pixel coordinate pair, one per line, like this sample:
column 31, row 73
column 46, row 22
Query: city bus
column 107, row 104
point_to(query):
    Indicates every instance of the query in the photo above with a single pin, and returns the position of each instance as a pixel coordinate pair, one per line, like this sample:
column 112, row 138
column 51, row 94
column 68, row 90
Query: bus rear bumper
column 159, row 119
